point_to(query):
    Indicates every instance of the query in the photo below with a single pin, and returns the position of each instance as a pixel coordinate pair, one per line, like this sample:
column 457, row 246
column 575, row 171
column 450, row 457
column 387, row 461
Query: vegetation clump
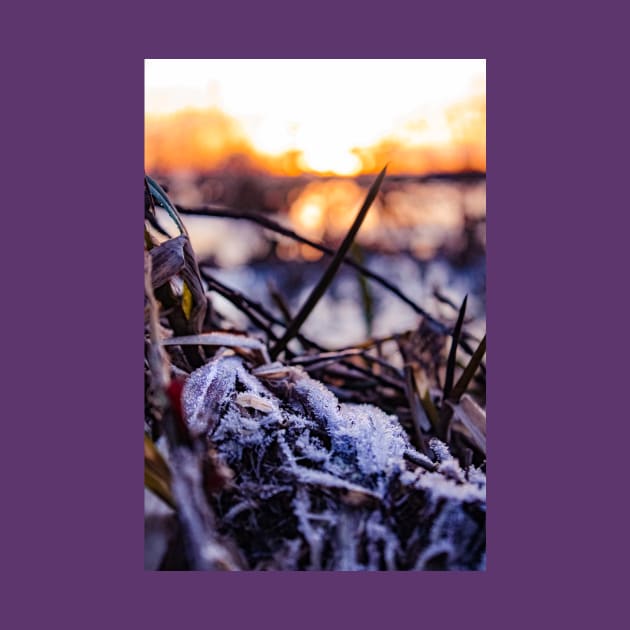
column 269, row 452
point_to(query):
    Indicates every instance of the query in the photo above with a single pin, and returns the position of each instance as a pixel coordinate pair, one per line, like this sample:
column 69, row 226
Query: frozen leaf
column 325, row 474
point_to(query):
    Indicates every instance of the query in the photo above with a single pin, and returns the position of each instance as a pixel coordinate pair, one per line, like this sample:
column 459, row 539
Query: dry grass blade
column 186, row 313
column 417, row 412
column 280, row 302
column 431, row 410
column 191, row 276
column 216, row 339
column 330, row 272
column 367, row 301
column 158, row 362
column 470, row 420
column 469, row 371
column 326, row 356
column 450, row 364
column 157, row 475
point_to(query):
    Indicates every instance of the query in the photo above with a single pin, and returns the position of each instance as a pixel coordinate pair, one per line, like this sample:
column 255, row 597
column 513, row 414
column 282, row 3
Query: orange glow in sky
column 338, row 117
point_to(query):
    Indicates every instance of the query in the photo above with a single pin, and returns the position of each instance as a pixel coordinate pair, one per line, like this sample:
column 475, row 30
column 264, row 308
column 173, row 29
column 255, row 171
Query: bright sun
column 324, row 110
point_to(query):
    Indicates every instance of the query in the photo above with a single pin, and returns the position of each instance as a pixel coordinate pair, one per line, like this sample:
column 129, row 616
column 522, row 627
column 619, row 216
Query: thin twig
column 381, row 362
column 245, row 305
column 366, row 345
column 280, row 302
column 420, row 460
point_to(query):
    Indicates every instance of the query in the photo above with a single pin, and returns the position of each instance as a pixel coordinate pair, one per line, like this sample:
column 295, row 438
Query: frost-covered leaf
column 312, row 474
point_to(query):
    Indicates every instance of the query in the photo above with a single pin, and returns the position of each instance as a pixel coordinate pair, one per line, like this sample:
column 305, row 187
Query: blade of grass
column 366, row 295
column 149, row 211
column 157, row 193
column 157, row 475
column 430, row 410
column 470, row 421
column 469, row 371
column 329, row 274
column 157, row 485
column 417, row 411
column 148, row 198
column 450, row 364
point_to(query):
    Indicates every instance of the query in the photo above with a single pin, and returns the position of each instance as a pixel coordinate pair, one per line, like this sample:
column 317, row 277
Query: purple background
column 72, row 524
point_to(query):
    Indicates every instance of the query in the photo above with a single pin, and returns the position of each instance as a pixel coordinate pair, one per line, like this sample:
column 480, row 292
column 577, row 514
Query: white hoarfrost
column 341, row 469
column 223, row 398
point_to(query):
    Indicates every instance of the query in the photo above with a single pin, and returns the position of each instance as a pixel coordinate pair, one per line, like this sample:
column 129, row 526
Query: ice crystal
column 331, row 476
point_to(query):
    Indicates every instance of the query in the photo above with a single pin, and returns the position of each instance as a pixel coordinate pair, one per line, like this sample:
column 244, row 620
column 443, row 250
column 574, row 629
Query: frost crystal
column 321, row 485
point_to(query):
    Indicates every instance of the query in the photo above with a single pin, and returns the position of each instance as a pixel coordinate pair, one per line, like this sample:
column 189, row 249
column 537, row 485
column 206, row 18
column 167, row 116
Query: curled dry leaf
column 167, row 260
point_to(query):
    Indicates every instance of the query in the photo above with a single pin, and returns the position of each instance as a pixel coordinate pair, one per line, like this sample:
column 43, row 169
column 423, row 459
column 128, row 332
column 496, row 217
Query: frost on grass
column 323, row 485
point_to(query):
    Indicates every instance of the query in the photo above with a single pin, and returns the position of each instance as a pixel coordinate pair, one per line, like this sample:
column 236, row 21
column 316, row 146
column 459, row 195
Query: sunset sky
column 321, row 116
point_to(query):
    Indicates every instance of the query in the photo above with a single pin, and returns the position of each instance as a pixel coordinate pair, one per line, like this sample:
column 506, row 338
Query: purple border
column 72, row 514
